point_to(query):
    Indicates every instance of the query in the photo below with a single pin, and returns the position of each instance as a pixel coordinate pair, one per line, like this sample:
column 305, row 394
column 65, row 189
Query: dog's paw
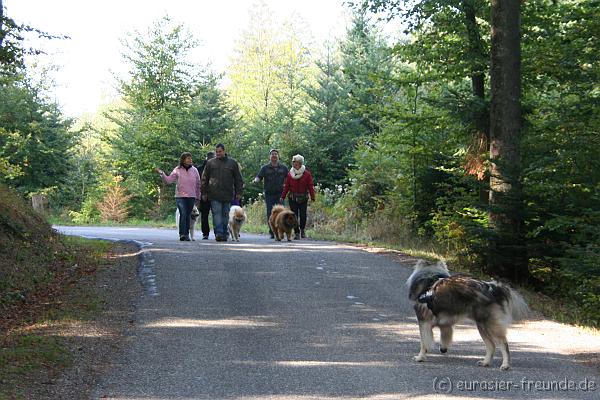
column 483, row 363
column 419, row 358
column 443, row 350
column 505, row 367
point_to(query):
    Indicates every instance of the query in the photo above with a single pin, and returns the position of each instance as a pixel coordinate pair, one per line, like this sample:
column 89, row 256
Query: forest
column 415, row 141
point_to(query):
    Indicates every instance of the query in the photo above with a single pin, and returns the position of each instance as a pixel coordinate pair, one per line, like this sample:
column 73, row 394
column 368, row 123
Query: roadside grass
column 27, row 346
column 21, row 354
column 165, row 223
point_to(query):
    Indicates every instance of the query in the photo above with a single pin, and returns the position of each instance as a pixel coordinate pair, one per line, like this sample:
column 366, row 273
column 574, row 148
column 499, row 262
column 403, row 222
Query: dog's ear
column 442, row 264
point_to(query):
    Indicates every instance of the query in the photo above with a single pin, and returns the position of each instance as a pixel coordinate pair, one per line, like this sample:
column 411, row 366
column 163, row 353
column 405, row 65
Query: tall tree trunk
column 508, row 254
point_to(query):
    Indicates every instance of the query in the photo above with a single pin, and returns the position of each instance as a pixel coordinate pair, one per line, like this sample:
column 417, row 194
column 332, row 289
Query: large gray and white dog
column 443, row 300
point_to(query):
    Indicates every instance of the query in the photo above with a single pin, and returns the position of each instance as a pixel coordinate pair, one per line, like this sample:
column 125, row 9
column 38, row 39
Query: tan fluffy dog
column 237, row 217
column 282, row 220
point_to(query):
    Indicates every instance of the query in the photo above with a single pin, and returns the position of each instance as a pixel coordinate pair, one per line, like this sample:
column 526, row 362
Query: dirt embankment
column 66, row 305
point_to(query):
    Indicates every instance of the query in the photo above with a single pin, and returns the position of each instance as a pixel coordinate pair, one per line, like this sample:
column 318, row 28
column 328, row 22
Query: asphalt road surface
column 313, row 320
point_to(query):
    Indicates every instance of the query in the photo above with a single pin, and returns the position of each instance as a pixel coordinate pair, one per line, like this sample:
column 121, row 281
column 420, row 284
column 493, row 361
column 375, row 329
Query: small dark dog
column 442, row 300
column 282, row 220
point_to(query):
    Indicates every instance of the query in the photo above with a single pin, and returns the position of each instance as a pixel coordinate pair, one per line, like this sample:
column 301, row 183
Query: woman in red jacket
column 299, row 186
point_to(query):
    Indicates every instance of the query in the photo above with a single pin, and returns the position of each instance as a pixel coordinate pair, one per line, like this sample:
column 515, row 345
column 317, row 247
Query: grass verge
column 54, row 344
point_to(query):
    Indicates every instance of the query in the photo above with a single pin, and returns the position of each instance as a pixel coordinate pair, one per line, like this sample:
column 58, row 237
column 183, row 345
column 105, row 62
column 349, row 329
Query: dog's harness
column 427, row 296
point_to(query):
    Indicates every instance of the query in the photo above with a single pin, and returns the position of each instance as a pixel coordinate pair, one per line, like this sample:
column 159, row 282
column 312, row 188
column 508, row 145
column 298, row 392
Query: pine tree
column 113, row 206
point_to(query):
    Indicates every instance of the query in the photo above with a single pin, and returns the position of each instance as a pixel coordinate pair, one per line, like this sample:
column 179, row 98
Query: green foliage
column 347, row 101
column 269, row 74
column 560, row 147
column 34, row 137
column 172, row 106
column 88, row 213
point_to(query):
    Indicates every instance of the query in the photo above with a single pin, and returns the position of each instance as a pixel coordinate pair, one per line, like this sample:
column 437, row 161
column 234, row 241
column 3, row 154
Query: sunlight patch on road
column 265, row 249
column 312, row 363
column 284, row 247
column 565, row 339
column 233, row 323
column 393, row 396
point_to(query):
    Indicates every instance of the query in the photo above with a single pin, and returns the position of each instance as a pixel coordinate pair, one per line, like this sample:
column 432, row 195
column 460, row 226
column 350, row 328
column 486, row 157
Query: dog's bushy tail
column 517, row 307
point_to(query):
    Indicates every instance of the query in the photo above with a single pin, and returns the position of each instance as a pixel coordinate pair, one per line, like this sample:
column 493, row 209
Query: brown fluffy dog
column 282, row 220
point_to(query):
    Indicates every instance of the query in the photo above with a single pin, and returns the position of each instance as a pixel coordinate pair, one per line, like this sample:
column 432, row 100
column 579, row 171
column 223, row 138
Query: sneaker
column 303, row 234
column 205, row 237
column 272, row 236
column 218, row 238
column 296, row 235
column 187, row 239
column 182, row 237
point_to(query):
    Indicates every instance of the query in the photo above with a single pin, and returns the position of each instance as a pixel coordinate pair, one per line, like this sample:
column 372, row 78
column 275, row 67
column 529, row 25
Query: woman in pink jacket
column 186, row 192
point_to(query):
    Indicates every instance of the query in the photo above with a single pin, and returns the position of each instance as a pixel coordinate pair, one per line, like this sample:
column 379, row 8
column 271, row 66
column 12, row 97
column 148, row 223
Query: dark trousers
column 300, row 210
column 185, row 206
column 204, row 211
column 270, row 201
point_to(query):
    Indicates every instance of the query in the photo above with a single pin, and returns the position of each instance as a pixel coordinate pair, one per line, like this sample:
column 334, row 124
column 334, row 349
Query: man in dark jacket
column 221, row 182
column 274, row 174
column 204, row 206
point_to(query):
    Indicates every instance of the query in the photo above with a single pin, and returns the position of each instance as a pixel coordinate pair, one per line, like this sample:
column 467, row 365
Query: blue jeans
column 270, row 201
column 220, row 213
column 185, row 206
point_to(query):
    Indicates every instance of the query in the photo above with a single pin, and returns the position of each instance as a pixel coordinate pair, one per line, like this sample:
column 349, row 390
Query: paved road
column 312, row 320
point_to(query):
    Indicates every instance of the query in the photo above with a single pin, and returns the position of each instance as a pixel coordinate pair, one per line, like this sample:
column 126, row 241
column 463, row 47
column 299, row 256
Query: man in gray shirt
column 274, row 174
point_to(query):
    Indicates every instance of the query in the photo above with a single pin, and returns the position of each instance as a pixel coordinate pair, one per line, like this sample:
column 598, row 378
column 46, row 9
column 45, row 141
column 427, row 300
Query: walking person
column 273, row 174
column 299, row 187
column 204, row 206
column 187, row 191
column 221, row 182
